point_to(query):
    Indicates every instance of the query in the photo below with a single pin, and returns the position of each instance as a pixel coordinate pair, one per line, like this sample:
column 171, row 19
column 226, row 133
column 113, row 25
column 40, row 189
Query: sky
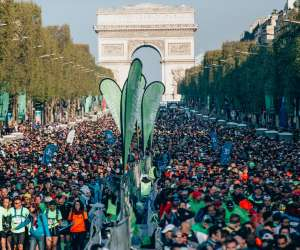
column 218, row 20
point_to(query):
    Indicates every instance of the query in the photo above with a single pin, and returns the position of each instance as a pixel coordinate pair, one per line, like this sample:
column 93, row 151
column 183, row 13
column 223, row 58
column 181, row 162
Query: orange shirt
column 78, row 221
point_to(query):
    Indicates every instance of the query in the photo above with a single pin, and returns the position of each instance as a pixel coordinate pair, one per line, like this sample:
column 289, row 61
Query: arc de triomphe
column 168, row 29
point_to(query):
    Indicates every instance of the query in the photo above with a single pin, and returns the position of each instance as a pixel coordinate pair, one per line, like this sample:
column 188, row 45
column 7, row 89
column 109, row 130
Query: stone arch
column 167, row 29
column 157, row 45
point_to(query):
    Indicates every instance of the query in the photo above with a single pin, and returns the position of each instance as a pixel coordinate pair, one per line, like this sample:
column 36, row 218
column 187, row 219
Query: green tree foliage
column 43, row 61
column 244, row 73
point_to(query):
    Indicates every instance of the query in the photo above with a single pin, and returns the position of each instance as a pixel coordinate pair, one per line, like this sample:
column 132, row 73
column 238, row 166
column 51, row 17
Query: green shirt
column 197, row 227
column 196, row 205
column 43, row 207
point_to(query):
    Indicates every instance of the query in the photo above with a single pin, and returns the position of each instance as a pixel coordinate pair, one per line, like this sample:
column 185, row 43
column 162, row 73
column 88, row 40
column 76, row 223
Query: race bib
column 17, row 220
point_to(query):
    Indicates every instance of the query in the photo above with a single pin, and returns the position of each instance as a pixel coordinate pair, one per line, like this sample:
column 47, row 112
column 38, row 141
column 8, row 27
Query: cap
column 196, row 194
column 207, row 219
column 267, row 236
column 229, row 203
column 48, row 199
column 169, row 227
column 267, row 197
column 52, row 202
column 246, row 204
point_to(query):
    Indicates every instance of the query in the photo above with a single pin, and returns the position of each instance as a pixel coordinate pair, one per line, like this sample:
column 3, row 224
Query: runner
column 18, row 215
column 54, row 219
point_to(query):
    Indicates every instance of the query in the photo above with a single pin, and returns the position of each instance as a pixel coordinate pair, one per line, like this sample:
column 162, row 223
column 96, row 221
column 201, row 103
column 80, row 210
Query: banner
column 226, row 153
column 4, row 103
column 122, row 109
column 49, row 153
column 214, row 140
column 109, row 137
column 88, row 104
column 22, row 106
column 71, row 136
column 9, row 117
column 38, row 117
column 134, row 88
column 269, row 102
column 283, row 116
column 112, row 94
column 150, row 105
column 139, row 103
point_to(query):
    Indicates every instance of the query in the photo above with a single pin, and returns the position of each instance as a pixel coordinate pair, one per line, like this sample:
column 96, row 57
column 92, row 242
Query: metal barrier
column 120, row 236
column 96, row 214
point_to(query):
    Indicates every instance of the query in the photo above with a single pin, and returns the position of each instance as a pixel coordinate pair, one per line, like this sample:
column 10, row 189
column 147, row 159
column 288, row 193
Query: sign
column 109, row 137
column 49, row 153
column 214, row 140
column 71, row 136
column 226, row 153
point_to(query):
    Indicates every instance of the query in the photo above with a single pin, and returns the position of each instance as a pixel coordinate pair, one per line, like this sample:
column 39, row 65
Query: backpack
column 6, row 223
column 18, row 215
column 56, row 213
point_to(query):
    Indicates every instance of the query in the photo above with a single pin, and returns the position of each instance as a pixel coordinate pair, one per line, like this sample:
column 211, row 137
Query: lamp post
column 292, row 21
column 245, row 52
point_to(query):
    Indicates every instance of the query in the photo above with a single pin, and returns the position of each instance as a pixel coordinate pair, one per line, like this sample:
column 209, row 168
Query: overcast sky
column 218, row 20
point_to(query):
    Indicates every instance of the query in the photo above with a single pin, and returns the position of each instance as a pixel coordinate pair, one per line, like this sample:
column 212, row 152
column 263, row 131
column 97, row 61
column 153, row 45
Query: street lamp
column 291, row 21
column 20, row 39
column 264, row 46
column 245, row 52
column 45, row 56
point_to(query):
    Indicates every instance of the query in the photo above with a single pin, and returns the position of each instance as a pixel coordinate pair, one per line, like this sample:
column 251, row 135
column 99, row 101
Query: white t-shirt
column 17, row 217
column 3, row 212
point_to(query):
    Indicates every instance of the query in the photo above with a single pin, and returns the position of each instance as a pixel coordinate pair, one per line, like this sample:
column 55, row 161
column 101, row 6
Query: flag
column 109, row 137
column 226, row 153
column 21, row 106
column 134, row 88
column 71, row 136
column 283, row 117
column 4, row 103
column 122, row 110
column 112, row 94
column 88, row 104
column 49, row 153
column 139, row 103
column 214, row 140
column 38, row 117
column 150, row 105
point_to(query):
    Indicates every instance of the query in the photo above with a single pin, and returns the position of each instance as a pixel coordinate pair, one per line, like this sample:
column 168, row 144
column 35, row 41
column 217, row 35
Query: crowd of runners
column 251, row 203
